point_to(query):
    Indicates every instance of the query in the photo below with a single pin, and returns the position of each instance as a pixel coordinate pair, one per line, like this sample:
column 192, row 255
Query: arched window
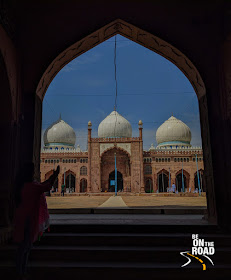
column 81, row 160
column 168, row 159
column 74, row 160
column 162, row 159
column 156, row 159
column 86, row 160
column 49, row 161
column 83, row 170
column 45, row 160
column 62, row 148
column 56, row 148
column 57, row 160
column 148, row 169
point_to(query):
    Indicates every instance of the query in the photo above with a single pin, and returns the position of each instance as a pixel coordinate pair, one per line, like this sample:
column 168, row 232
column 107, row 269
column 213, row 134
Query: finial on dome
column 60, row 117
column 114, row 108
column 140, row 123
column 89, row 124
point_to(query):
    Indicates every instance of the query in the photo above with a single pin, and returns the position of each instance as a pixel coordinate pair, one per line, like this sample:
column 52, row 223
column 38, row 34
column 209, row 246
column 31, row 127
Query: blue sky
column 150, row 88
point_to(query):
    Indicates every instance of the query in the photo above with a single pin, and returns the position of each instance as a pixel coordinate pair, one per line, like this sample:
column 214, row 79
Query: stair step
column 118, row 270
column 112, row 253
column 129, row 239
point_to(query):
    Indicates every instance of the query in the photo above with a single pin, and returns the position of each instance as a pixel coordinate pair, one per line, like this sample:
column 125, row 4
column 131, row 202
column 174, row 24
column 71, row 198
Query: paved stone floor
column 69, row 202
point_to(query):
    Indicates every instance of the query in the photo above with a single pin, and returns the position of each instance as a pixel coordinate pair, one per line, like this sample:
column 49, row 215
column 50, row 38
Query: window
column 83, row 170
column 57, row 160
column 175, row 159
column 62, row 148
column 184, row 159
column 148, row 169
column 86, row 160
column 194, row 159
column 178, row 159
column 181, row 159
column 156, row 159
column 168, row 159
column 187, row 159
column 81, row 160
column 63, row 160
column 69, row 161
column 165, row 159
column 162, row 159
column 56, row 148
column 74, row 160
column 45, row 160
column 49, row 161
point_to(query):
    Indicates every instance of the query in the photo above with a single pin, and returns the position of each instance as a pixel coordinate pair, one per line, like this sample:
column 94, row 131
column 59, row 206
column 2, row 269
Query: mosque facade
column 172, row 161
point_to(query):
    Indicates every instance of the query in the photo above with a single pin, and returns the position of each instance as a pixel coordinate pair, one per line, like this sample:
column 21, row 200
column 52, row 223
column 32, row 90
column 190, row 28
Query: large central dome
column 114, row 125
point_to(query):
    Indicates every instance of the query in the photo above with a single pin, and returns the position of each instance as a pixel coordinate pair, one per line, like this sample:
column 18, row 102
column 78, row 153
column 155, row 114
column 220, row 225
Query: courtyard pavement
column 69, row 202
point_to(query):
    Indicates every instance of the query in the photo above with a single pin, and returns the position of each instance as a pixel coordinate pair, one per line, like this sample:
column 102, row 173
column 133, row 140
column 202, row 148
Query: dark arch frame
column 155, row 44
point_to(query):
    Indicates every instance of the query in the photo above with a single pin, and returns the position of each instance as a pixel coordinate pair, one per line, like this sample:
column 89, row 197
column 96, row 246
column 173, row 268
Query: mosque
column 173, row 161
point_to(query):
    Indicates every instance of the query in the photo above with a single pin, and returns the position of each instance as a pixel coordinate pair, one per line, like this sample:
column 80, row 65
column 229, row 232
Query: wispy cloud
column 84, row 59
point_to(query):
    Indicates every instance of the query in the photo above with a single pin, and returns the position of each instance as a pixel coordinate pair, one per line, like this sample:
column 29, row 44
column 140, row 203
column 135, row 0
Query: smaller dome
column 140, row 122
column 173, row 132
column 59, row 133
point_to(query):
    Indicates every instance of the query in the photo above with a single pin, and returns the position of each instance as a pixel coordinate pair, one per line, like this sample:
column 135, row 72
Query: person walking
column 31, row 216
column 62, row 189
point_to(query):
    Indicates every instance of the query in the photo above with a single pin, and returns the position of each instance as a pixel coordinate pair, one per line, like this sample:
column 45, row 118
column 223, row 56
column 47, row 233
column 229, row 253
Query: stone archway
column 108, row 167
column 182, row 184
column 148, row 185
column 162, row 181
column 201, row 180
column 83, row 185
column 155, row 44
column 56, row 183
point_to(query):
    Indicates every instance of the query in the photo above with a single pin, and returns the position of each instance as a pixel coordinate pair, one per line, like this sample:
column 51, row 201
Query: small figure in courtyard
column 31, row 216
column 173, row 188
column 62, row 189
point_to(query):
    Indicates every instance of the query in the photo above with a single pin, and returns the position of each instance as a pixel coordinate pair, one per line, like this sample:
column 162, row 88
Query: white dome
column 173, row 132
column 59, row 133
column 114, row 125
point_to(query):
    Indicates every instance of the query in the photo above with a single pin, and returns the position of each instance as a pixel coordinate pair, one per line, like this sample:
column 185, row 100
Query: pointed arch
column 133, row 33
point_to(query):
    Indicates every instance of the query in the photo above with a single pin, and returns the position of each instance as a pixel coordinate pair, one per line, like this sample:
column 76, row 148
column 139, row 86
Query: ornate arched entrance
column 70, row 183
column 83, row 185
column 163, row 181
column 148, row 185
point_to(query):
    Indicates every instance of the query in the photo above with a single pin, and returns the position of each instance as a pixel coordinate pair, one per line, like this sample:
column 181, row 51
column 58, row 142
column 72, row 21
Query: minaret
column 140, row 130
column 89, row 131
